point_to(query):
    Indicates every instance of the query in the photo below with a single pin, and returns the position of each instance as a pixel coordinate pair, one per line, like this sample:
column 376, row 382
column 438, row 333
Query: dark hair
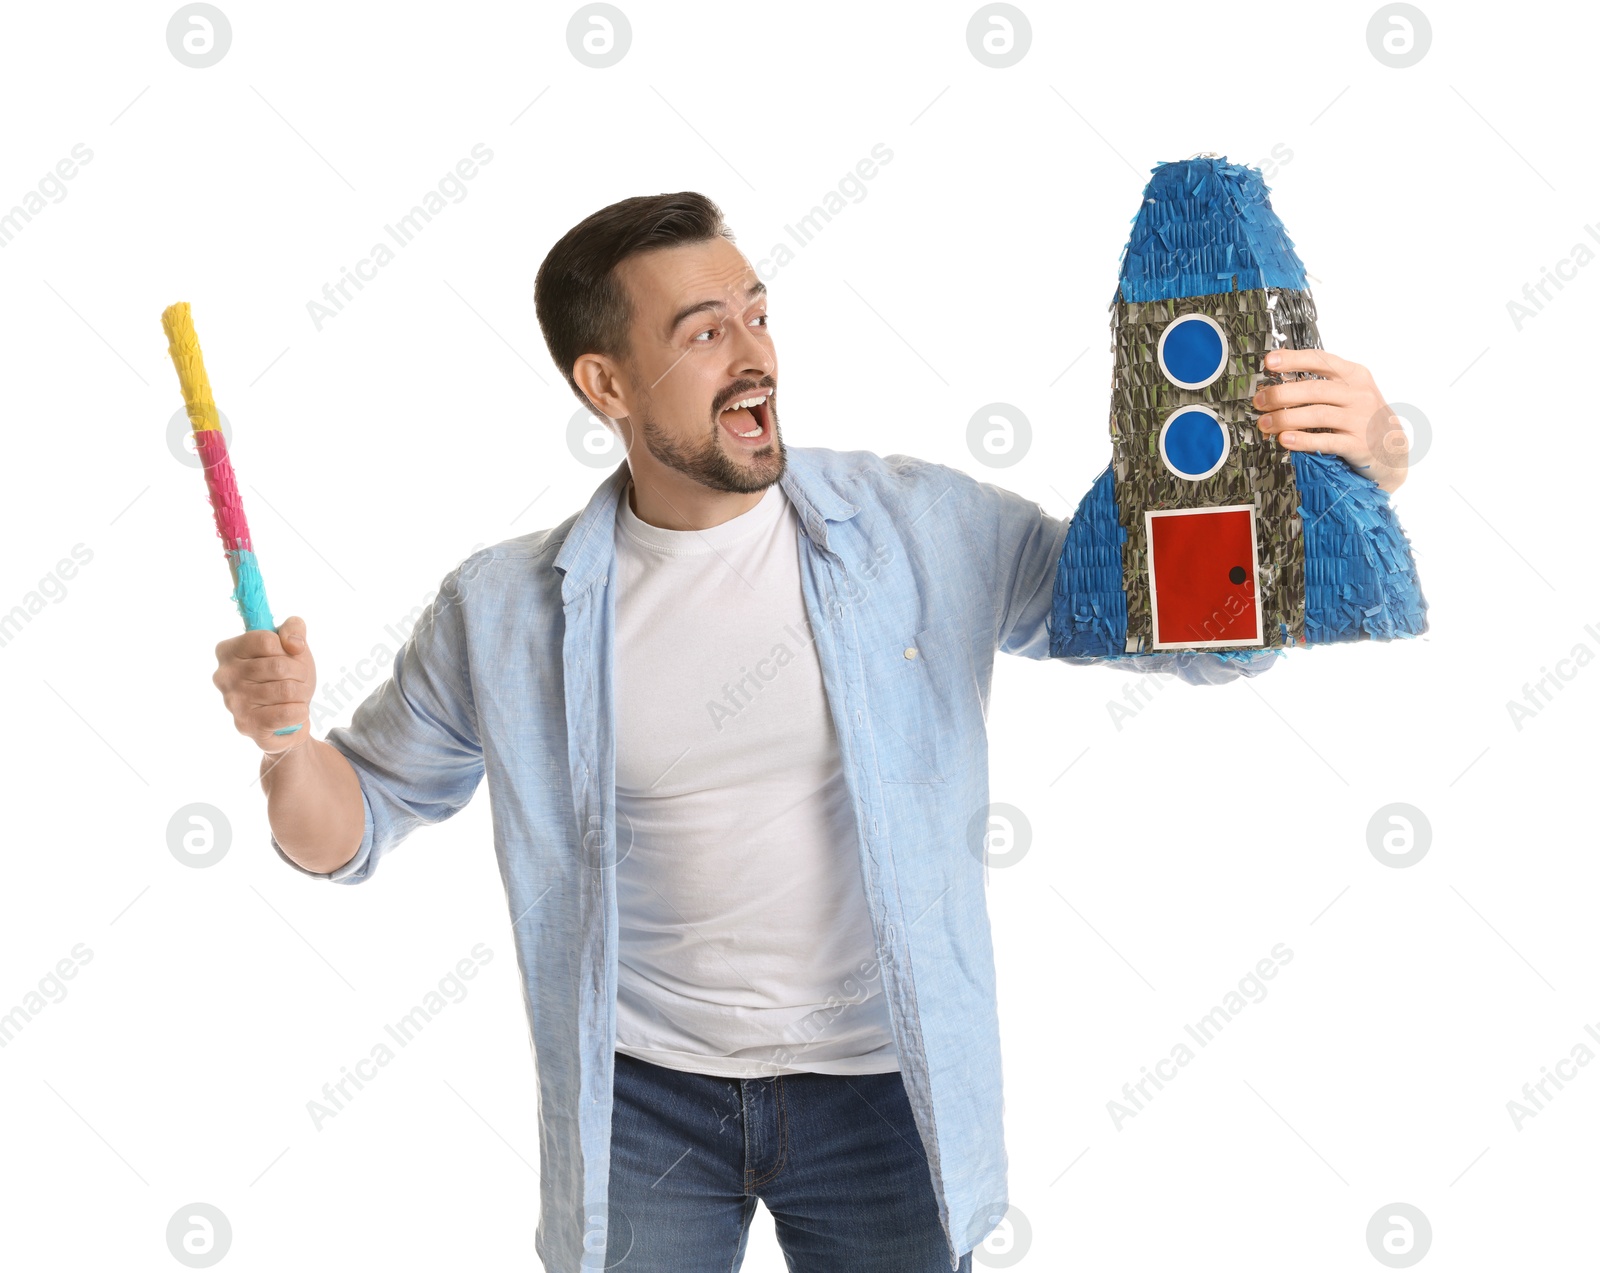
column 581, row 305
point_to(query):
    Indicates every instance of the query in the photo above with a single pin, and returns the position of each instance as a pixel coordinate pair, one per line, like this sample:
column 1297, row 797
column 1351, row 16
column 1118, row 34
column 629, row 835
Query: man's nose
column 749, row 354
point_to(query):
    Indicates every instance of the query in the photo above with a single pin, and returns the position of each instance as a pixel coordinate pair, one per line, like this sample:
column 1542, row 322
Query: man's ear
column 597, row 377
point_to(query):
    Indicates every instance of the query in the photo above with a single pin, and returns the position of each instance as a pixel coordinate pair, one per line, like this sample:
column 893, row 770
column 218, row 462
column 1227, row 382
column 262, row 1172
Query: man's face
column 699, row 346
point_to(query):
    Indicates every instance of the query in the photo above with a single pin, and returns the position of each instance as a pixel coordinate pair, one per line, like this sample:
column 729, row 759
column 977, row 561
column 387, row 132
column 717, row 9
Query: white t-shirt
column 746, row 947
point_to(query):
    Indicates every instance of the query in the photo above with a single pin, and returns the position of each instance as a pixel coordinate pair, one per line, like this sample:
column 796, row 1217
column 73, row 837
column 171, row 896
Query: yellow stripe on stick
column 184, row 346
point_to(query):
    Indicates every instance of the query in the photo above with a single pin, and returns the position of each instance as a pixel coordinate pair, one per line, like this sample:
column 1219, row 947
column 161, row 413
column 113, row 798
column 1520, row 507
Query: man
column 731, row 716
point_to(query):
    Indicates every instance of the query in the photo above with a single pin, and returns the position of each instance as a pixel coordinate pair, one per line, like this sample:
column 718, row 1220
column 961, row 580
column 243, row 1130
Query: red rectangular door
column 1203, row 577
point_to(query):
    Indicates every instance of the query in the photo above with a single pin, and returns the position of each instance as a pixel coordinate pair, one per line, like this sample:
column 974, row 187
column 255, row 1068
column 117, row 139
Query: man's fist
column 267, row 679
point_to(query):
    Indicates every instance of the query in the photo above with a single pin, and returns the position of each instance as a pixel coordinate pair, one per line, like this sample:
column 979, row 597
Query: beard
column 708, row 461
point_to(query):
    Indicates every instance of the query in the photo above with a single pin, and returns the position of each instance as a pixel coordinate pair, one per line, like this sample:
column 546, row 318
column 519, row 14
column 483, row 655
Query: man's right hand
column 267, row 679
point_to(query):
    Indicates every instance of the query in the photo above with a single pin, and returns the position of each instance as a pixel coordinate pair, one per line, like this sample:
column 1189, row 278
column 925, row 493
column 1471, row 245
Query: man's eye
column 709, row 331
column 762, row 319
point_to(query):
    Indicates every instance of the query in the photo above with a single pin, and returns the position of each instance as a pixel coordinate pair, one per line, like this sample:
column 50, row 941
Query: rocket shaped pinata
column 1203, row 533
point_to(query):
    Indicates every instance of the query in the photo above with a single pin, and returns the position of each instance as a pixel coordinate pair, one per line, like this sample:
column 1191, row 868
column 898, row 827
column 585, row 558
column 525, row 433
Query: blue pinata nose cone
column 1206, row 226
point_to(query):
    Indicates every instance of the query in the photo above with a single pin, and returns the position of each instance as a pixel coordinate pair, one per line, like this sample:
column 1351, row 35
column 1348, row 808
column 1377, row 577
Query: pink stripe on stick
column 226, row 504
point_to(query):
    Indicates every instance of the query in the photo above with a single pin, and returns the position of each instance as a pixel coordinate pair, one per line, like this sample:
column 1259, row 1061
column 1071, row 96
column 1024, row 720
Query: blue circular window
column 1193, row 351
column 1193, row 443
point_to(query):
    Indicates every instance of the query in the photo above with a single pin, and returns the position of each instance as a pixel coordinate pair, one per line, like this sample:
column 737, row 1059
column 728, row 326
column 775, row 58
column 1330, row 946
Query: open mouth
column 748, row 419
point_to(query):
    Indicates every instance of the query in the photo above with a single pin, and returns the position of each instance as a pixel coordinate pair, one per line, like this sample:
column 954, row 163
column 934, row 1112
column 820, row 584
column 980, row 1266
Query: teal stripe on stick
column 250, row 595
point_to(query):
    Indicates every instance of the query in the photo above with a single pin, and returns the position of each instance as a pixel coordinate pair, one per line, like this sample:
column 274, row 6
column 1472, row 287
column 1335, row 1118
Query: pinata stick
column 249, row 592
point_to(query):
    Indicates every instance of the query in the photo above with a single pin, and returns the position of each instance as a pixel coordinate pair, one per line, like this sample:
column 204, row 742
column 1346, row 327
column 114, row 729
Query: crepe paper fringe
column 1336, row 566
column 1206, row 227
column 1089, row 610
column 249, row 592
column 227, row 506
column 1256, row 471
column 250, row 595
column 184, row 347
column 1361, row 580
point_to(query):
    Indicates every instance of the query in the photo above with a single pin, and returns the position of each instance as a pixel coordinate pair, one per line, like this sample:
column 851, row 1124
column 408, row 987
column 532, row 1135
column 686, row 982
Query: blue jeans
column 836, row 1159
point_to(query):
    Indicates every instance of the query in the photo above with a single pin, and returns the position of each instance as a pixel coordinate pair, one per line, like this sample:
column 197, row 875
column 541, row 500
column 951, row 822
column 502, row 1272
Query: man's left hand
column 1341, row 414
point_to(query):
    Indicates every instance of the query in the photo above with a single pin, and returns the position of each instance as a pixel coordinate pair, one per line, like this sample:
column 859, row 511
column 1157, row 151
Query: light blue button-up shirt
column 913, row 574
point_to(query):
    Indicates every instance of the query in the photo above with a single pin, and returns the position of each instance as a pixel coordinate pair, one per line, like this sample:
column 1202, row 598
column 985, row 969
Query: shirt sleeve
column 414, row 741
column 1022, row 544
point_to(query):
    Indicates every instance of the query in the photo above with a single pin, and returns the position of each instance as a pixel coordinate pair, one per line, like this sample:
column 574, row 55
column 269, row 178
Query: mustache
column 740, row 389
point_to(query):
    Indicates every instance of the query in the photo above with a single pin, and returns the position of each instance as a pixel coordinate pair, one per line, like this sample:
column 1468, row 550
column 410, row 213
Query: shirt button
column 911, row 651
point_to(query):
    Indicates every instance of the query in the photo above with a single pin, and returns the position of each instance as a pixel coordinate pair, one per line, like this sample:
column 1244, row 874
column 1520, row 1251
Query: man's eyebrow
column 756, row 289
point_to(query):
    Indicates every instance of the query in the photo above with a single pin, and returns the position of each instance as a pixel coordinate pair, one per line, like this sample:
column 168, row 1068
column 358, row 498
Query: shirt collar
column 590, row 545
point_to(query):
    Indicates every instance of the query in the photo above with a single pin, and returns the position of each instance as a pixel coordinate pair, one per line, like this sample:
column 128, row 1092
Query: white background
column 426, row 418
